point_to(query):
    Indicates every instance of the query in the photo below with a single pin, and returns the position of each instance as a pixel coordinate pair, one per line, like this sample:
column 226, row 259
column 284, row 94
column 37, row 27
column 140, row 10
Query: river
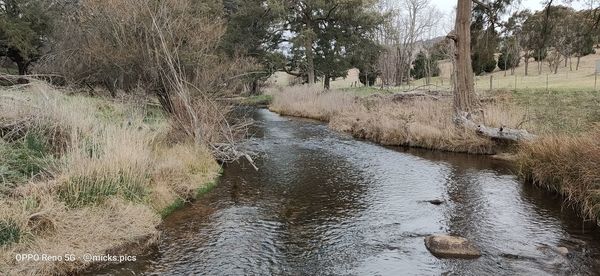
column 323, row 203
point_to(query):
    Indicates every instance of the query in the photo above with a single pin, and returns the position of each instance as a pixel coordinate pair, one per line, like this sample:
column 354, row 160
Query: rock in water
column 436, row 201
column 562, row 250
column 445, row 246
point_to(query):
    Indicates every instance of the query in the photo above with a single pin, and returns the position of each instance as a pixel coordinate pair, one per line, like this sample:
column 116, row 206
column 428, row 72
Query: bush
column 371, row 76
column 424, row 66
column 483, row 63
column 508, row 61
column 170, row 49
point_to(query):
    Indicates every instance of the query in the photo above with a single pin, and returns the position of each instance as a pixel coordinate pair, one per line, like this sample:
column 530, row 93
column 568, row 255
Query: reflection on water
column 323, row 203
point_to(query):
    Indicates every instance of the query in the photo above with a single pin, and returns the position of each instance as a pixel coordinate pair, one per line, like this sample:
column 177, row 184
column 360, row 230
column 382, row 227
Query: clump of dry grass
column 311, row 102
column 567, row 164
column 107, row 183
column 426, row 123
column 179, row 172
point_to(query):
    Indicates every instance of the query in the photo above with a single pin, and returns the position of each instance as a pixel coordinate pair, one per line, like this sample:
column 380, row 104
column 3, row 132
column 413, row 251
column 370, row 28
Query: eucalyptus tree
column 465, row 99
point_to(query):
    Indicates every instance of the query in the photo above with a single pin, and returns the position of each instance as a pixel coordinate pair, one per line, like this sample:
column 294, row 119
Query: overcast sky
column 448, row 6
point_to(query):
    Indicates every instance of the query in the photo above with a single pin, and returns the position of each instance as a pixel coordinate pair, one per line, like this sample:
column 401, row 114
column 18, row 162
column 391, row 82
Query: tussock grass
column 424, row 123
column 567, row 164
column 9, row 232
column 87, row 175
column 114, row 160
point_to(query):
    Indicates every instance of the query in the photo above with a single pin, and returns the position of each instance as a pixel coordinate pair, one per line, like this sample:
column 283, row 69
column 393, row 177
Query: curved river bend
column 323, row 203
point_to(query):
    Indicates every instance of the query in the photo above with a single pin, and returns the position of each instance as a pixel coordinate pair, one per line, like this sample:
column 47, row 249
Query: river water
column 323, row 203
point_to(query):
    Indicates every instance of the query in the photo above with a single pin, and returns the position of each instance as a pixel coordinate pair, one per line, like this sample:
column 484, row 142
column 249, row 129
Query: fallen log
column 400, row 97
column 502, row 133
column 10, row 80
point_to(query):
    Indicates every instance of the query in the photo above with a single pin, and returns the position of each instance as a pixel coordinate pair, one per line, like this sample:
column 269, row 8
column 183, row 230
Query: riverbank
column 418, row 121
column 562, row 159
column 567, row 164
column 86, row 175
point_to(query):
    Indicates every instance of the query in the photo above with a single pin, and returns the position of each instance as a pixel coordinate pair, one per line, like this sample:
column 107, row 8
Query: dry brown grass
column 311, row 102
column 567, row 164
column 89, row 230
column 424, row 123
column 107, row 184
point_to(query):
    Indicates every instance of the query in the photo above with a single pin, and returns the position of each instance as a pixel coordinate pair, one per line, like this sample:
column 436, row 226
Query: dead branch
column 502, row 133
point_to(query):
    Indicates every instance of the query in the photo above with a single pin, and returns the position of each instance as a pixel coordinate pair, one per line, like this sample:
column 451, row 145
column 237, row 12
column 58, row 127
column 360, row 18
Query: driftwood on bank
column 407, row 96
column 502, row 133
column 400, row 97
column 10, row 80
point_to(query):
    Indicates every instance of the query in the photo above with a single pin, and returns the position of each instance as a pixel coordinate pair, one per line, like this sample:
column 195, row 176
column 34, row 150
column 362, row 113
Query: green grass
column 154, row 115
column 22, row 159
column 171, row 208
column 9, row 232
column 91, row 189
column 559, row 110
column 179, row 203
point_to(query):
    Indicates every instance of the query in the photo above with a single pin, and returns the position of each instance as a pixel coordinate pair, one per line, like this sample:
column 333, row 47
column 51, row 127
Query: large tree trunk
column 310, row 61
column 16, row 57
column 254, row 88
column 464, row 92
column 526, row 65
column 22, row 66
column 326, row 82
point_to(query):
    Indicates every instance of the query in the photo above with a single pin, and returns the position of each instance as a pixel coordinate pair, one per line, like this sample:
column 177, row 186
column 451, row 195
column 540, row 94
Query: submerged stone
column 446, row 246
column 436, row 201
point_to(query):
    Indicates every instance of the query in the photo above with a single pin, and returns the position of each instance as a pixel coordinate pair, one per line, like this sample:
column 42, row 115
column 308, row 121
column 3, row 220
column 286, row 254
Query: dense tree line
column 321, row 40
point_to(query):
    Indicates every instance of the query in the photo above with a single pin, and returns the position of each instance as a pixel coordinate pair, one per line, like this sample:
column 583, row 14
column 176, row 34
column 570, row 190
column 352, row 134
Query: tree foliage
column 425, row 66
column 24, row 29
column 325, row 37
column 250, row 33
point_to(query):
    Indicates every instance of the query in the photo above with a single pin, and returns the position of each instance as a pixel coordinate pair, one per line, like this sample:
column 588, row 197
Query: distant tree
column 424, row 66
column 563, row 35
column 512, row 48
column 483, row 60
column 587, row 26
column 508, row 59
column 365, row 56
column 24, row 29
column 323, row 33
column 250, row 34
column 484, row 37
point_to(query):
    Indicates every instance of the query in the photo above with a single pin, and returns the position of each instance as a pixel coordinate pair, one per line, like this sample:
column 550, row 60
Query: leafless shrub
column 169, row 48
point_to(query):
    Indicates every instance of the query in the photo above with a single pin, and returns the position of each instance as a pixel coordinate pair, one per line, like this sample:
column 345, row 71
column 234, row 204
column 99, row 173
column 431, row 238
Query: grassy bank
column 568, row 164
column 420, row 122
column 81, row 175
